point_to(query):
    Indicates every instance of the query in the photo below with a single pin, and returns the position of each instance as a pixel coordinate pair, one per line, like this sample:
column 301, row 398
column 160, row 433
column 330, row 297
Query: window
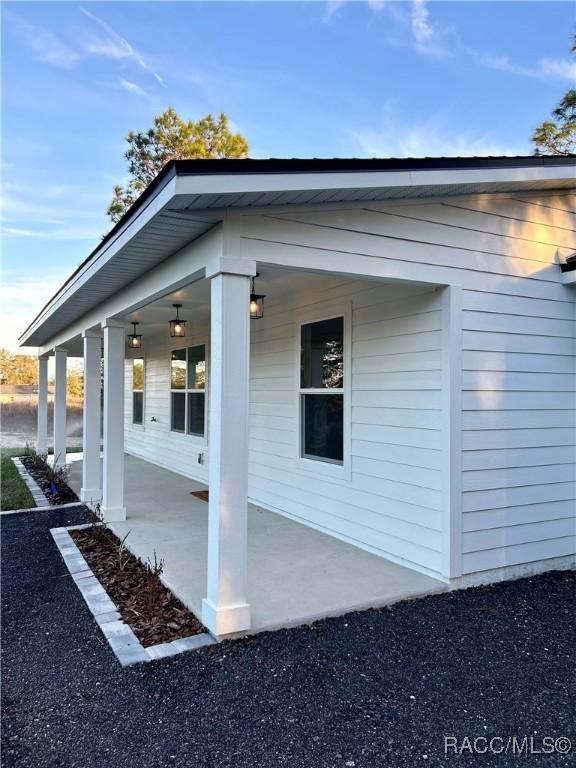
column 196, row 387
column 138, row 390
column 322, row 390
column 188, row 384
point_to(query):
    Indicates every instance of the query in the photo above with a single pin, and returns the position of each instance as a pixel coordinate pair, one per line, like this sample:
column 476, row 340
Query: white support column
column 225, row 609
column 60, row 358
column 42, row 434
column 113, row 466
column 91, row 473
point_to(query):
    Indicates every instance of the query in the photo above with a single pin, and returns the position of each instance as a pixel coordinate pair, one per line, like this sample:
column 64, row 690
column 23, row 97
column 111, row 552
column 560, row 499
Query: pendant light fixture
column 134, row 339
column 177, row 326
column 256, row 302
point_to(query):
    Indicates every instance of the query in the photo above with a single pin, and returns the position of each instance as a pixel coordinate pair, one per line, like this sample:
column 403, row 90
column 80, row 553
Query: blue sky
column 377, row 78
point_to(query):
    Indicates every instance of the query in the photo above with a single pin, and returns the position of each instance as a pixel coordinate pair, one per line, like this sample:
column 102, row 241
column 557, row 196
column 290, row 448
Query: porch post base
column 90, row 494
column 112, row 514
column 225, row 620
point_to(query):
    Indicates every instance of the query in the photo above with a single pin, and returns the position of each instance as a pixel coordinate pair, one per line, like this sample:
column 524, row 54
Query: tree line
column 23, row 370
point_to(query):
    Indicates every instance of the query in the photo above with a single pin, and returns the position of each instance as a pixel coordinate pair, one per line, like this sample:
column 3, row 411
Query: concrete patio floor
column 295, row 573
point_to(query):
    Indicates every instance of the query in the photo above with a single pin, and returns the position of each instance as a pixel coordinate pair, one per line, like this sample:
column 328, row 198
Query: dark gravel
column 379, row 688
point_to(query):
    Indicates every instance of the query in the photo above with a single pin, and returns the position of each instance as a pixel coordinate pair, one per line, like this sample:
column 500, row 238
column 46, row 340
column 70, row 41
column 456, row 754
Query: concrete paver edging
column 52, row 508
column 37, row 493
column 120, row 636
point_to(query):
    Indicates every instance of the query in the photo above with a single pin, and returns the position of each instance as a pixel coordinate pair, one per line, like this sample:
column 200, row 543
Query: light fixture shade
column 256, row 306
column 256, row 303
column 134, row 339
column 177, row 326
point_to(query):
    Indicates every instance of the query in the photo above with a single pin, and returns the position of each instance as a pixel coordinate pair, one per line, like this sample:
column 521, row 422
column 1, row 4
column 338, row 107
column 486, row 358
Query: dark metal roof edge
column 351, row 165
column 252, row 166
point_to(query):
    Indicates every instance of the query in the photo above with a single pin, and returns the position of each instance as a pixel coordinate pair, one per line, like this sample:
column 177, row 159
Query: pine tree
column 172, row 138
column 557, row 136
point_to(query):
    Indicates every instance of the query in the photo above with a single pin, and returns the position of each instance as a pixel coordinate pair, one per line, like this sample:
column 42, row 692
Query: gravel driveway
column 379, row 688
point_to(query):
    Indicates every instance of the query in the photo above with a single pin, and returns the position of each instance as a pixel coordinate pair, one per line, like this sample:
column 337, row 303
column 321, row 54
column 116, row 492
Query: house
column 380, row 350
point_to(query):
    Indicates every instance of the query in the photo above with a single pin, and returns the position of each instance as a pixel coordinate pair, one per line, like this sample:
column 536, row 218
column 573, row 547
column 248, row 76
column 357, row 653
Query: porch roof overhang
column 190, row 197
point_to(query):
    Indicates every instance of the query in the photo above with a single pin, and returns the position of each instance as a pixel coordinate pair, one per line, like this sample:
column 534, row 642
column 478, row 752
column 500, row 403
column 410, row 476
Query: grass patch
column 14, row 493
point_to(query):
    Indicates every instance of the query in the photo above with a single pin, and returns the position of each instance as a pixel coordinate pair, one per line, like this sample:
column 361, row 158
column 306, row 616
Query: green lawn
column 14, row 493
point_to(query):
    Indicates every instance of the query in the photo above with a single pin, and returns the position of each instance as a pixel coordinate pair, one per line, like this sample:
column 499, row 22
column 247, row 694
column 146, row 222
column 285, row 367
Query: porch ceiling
column 165, row 234
column 273, row 282
column 188, row 198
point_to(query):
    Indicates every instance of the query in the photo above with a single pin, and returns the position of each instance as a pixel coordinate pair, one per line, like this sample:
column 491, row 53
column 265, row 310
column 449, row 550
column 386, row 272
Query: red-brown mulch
column 52, row 483
column 144, row 603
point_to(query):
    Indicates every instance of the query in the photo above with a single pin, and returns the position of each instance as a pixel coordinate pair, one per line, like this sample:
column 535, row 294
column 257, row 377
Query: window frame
column 194, row 436
column 318, row 465
column 140, row 425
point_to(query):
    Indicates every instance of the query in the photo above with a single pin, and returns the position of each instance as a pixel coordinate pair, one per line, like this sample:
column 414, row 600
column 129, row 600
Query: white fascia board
column 286, row 182
column 107, row 252
column 184, row 267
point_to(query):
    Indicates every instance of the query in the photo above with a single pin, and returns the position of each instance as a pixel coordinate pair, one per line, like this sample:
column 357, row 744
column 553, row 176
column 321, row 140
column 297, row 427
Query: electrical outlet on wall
column 200, row 458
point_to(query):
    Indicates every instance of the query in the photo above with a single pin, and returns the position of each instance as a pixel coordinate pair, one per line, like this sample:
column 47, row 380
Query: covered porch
column 289, row 535
column 295, row 574
column 322, row 429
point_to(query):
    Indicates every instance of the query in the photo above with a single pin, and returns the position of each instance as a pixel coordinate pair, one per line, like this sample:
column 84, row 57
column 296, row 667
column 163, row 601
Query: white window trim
column 199, row 440
column 134, row 424
column 319, row 467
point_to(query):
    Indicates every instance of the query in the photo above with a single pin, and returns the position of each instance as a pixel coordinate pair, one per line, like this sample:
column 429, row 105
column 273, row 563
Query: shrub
column 153, row 586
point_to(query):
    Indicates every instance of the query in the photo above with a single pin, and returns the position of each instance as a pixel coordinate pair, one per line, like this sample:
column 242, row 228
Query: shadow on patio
column 295, row 573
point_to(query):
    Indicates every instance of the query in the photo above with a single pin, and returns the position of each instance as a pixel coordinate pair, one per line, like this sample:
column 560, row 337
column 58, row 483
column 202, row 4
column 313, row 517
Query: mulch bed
column 56, row 489
column 145, row 604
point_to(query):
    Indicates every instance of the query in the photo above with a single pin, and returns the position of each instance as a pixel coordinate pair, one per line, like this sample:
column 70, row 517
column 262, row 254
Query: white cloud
column 47, row 46
column 51, row 49
column 21, row 298
column 558, row 69
column 72, row 203
column 332, row 8
column 130, row 87
column 61, row 233
column 421, row 28
column 377, row 5
column 545, row 69
column 19, row 232
column 433, row 136
column 116, row 47
column 429, row 37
